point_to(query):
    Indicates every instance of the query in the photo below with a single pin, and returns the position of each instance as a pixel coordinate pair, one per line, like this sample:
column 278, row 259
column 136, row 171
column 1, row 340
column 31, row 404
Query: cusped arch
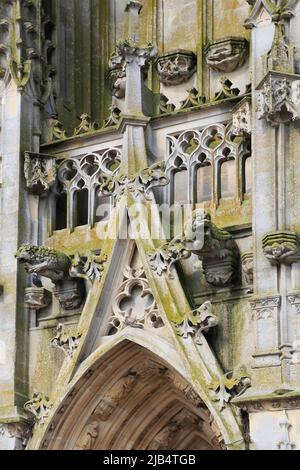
column 130, row 397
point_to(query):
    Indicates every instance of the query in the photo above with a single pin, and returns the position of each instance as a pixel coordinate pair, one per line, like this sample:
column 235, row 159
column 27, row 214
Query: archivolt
column 131, row 399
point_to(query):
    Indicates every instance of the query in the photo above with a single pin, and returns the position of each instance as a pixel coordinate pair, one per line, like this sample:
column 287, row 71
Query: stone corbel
column 278, row 98
column 241, row 118
column 197, row 322
column 54, row 265
column 282, row 247
column 37, row 298
column 40, row 172
column 176, row 67
column 227, row 54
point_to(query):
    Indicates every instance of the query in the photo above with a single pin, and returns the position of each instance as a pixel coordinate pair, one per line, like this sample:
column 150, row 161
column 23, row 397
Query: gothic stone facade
column 112, row 112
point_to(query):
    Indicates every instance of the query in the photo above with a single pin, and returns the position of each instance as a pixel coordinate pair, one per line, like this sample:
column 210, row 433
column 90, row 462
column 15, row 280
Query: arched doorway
column 131, row 400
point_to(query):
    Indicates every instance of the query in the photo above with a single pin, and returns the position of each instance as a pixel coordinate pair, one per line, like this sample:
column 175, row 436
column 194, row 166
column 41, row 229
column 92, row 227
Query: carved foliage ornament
column 241, row 118
column 86, row 125
column 282, row 247
column 227, row 54
column 140, row 184
column 40, row 172
column 39, row 407
column 89, row 267
column 279, row 98
column 176, row 67
column 197, row 322
column 230, row 385
column 66, row 340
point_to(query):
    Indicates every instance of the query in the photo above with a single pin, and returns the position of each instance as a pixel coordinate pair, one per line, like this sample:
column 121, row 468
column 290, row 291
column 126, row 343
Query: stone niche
column 176, row 67
column 227, row 54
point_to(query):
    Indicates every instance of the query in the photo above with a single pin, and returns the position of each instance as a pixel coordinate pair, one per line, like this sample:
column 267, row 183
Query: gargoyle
column 45, row 262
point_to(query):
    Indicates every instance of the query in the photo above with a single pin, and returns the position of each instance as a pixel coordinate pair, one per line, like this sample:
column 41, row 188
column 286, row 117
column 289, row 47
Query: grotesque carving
column 279, row 98
column 198, row 321
column 39, row 407
column 282, row 247
column 66, row 340
column 116, row 394
column 164, row 438
column 216, row 248
column 227, row 54
column 117, row 75
column 54, row 265
column 40, row 172
column 54, row 131
column 176, row 67
column 229, row 385
column 45, row 262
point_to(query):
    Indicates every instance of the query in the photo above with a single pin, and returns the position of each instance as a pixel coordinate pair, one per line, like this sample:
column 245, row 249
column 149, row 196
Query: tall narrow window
column 247, row 176
column 82, row 201
column 228, row 179
column 61, row 212
column 204, row 183
column 181, row 187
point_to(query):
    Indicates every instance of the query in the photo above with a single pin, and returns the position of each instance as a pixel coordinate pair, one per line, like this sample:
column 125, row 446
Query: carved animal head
column 27, row 253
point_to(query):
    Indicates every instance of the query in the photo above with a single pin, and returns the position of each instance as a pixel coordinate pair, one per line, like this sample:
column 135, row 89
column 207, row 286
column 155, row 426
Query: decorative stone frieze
column 66, row 340
column 37, row 298
column 227, row 90
column 176, row 67
column 278, row 98
column 193, row 99
column 40, row 172
column 227, row 54
column 241, row 118
column 140, row 184
column 39, row 407
column 134, row 305
column 216, row 248
column 247, row 267
column 282, row 247
column 86, row 125
column 197, row 322
column 228, row 386
column 89, row 267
